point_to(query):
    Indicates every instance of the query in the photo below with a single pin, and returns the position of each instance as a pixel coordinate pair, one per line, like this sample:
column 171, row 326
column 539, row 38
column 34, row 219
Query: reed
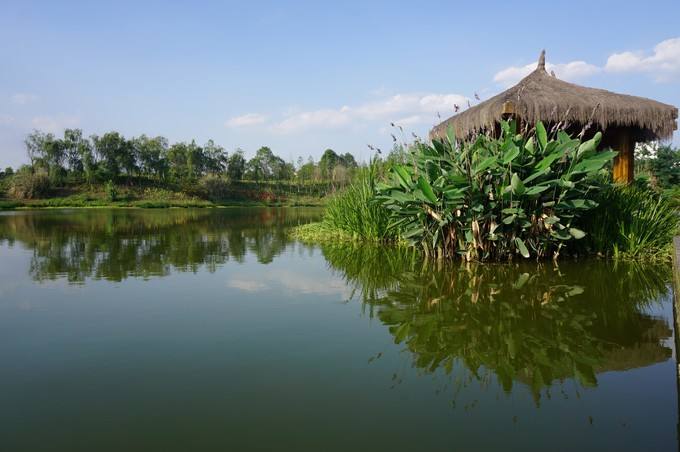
column 633, row 221
column 355, row 211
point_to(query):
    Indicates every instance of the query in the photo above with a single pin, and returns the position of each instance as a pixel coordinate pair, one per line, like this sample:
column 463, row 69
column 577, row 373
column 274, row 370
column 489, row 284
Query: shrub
column 111, row 191
column 214, row 187
column 29, row 184
column 492, row 198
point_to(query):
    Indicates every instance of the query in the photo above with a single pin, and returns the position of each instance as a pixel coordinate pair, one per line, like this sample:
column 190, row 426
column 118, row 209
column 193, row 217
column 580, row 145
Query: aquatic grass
column 632, row 222
column 355, row 212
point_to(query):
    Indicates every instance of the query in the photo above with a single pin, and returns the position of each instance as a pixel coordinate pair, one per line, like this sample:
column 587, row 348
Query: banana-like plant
column 493, row 198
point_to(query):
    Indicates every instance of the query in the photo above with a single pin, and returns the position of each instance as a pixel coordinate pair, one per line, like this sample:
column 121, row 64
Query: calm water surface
column 181, row 330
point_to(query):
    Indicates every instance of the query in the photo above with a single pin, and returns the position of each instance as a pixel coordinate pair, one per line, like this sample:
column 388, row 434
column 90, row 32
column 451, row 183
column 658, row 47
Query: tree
column 666, row 166
column 236, row 165
column 306, row 172
column 47, row 152
column 267, row 166
column 151, row 155
column 72, row 142
column 215, row 158
column 348, row 161
column 328, row 161
column 34, row 143
column 114, row 153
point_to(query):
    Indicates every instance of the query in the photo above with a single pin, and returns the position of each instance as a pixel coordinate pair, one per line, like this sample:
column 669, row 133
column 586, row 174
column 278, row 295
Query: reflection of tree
column 116, row 244
column 533, row 324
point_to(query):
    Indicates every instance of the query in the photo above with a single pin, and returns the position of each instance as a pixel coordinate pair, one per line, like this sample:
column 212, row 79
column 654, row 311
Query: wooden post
column 624, row 162
column 676, row 319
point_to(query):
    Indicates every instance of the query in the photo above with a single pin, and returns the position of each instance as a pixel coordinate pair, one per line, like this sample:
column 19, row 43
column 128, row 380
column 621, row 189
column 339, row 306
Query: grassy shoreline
column 67, row 203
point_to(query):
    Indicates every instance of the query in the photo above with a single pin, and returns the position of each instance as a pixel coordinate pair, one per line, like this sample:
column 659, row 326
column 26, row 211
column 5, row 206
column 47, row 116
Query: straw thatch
column 540, row 96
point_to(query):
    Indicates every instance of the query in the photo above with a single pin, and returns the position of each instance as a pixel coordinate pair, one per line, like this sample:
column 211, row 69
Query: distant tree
column 306, row 171
column 666, row 166
column 328, row 161
column 34, row 146
column 340, row 175
column 215, row 158
column 348, row 161
column 236, row 165
column 151, row 157
column 267, row 166
column 73, row 142
column 397, row 155
column 115, row 153
column 46, row 152
column 178, row 162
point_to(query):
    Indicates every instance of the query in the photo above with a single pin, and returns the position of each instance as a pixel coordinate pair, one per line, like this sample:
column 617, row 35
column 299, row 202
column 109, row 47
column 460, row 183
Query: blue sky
column 303, row 76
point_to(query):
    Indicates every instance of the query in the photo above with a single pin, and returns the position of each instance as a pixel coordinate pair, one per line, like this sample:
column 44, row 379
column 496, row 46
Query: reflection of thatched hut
column 624, row 120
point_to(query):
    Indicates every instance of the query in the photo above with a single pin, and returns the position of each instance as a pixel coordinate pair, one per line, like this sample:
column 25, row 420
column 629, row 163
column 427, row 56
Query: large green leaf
column 427, row 189
column 521, row 247
column 451, row 135
column 516, row 184
column 588, row 147
column 541, row 135
column 485, row 164
column 511, row 154
column 536, row 189
column 536, row 175
column 577, row 233
column 594, row 163
column 403, row 176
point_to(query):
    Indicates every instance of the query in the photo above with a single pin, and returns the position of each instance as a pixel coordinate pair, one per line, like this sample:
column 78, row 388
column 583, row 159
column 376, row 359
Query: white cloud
column 405, row 109
column 247, row 120
column 23, row 98
column 55, row 124
column 571, row 71
column 6, row 120
column 410, row 120
column 246, row 285
column 664, row 62
column 279, row 279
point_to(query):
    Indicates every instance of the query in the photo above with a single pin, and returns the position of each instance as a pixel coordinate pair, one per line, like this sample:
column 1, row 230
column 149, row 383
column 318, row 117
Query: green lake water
column 177, row 330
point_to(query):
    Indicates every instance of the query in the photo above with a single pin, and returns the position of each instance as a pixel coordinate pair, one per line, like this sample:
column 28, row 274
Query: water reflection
column 530, row 324
column 117, row 244
column 534, row 324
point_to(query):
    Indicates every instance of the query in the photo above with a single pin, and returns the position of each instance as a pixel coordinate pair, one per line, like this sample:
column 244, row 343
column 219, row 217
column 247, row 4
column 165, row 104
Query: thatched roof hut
column 624, row 120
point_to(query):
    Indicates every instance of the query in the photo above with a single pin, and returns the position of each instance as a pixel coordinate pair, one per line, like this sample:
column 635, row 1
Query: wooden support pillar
column 676, row 316
column 624, row 164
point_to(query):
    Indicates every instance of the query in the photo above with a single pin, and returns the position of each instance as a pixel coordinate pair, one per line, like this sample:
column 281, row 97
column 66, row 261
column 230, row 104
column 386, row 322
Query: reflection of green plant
column 532, row 324
column 495, row 197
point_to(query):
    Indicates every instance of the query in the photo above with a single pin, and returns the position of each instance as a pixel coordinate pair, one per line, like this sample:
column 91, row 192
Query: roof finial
column 541, row 61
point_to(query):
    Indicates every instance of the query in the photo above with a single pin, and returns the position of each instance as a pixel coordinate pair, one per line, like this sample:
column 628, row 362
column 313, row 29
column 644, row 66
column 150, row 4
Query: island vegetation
column 538, row 194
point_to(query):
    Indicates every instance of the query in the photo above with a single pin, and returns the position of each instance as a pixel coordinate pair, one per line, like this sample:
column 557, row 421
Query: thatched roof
column 540, row 96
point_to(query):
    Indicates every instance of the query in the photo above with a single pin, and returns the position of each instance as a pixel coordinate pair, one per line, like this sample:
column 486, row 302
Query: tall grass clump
column 355, row 211
column 632, row 221
column 495, row 197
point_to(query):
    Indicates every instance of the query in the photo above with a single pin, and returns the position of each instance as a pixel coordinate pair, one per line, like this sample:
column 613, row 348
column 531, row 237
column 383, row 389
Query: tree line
column 75, row 157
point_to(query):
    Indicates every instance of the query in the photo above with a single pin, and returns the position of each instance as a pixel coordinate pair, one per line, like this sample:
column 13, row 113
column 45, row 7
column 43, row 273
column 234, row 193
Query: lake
column 211, row 329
